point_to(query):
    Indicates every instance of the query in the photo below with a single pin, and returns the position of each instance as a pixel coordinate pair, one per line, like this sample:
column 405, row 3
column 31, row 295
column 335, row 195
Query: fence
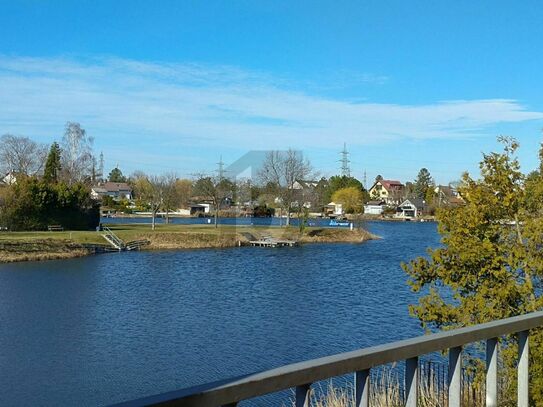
column 301, row 375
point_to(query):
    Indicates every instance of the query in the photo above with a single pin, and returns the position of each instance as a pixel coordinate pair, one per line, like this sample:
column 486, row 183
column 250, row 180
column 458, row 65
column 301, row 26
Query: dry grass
column 39, row 249
column 386, row 391
column 23, row 246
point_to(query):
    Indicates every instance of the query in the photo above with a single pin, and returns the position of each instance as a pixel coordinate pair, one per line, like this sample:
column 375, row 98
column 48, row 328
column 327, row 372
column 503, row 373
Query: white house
column 116, row 190
column 200, row 208
column 410, row 208
column 333, row 209
column 9, row 178
column 374, row 208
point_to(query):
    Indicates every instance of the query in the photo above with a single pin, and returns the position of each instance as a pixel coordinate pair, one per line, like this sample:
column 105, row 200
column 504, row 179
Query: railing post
column 362, row 388
column 492, row 372
column 455, row 376
column 302, row 395
column 411, row 381
column 523, row 364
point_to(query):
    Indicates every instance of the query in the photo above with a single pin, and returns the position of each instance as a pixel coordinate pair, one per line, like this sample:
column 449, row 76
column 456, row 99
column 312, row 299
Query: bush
column 34, row 204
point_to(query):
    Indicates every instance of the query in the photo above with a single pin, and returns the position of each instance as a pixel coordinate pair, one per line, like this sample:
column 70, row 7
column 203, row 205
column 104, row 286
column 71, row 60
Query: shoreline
column 38, row 246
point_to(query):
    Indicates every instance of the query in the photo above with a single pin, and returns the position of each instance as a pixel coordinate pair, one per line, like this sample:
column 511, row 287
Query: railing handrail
column 302, row 373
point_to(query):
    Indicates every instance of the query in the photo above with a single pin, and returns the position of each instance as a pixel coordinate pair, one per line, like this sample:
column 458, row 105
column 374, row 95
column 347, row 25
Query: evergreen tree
column 490, row 265
column 116, row 175
column 52, row 165
column 423, row 182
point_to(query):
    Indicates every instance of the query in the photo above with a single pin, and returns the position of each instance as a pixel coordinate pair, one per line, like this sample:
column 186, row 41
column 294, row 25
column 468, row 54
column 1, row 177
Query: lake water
column 115, row 327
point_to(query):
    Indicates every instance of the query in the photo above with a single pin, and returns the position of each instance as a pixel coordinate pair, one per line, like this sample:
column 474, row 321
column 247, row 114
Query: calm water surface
column 109, row 328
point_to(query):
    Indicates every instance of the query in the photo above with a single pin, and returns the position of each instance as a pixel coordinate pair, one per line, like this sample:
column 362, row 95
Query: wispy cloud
column 180, row 105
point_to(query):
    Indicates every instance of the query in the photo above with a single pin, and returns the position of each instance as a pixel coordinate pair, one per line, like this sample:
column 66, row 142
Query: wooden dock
column 272, row 242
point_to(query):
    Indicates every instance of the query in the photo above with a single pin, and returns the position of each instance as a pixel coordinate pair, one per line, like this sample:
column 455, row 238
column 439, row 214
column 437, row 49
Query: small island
column 32, row 246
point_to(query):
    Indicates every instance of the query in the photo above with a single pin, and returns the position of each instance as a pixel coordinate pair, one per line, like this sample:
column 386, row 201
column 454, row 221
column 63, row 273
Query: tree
column 77, row 158
column 183, row 192
column 338, row 182
column 150, row 190
column 52, row 165
column 21, row 155
column 422, row 183
column 116, row 175
column 215, row 189
column 351, row 199
column 170, row 194
column 280, row 170
column 33, row 204
column 491, row 264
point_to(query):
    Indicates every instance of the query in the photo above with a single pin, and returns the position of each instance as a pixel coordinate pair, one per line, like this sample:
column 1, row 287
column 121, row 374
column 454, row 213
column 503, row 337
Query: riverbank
column 28, row 246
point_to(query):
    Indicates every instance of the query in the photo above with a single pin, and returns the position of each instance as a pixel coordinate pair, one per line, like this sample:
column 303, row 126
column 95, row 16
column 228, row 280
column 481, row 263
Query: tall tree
column 77, row 158
column 150, row 191
column 351, row 199
column 281, row 169
column 116, row 175
column 170, row 194
column 52, row 165
column 21, row 155
column 215, row 189
column 490, row 265
column 422, row 183
column 337, row 182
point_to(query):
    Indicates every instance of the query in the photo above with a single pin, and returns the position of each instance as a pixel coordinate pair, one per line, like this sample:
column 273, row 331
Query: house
column 116, row 190
column 306, row 193
column 200, row 209
column 446, row 196
column 410, row 208
column 305, row 184
column 333, row 210
column 390, row 191
column 374, row 207
column 10, row 178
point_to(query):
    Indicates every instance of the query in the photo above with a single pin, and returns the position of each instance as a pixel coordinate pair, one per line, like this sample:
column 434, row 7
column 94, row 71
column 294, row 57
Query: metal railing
column 301, row 375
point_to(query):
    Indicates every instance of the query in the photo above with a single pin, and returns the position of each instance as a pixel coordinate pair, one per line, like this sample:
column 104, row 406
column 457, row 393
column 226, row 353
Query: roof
column 116, row 186
column 375, row 203
column 307, row 183
column 416, row 202
column 388, row 184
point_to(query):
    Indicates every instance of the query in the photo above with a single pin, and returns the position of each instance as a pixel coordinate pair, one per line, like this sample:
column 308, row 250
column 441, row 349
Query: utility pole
column 101, row 167
column 365, row 181
column 345, row 168
column 221, row 170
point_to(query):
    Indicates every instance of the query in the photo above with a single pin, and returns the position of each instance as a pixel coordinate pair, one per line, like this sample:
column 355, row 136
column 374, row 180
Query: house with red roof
column 390, row 191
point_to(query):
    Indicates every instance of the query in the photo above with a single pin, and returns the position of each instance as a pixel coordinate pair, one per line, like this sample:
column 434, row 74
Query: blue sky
column 171, row 86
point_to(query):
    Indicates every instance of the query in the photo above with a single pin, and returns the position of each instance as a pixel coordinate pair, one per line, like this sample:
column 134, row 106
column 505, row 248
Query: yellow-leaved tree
column 490, row 265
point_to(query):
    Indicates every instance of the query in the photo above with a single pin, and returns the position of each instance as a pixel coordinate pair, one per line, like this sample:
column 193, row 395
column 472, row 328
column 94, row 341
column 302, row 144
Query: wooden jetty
column 273, row 242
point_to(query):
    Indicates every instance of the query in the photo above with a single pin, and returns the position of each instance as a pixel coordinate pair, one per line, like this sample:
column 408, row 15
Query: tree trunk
column 287, row 222
column 153, row 221
column 167, row 216
column 216, row 217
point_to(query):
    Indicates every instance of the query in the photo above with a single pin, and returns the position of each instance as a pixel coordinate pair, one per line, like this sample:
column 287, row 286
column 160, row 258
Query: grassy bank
column 23, row 246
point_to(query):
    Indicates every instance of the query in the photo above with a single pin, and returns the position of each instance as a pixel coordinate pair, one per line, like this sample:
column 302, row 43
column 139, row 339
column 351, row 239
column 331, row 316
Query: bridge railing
column 301, row 375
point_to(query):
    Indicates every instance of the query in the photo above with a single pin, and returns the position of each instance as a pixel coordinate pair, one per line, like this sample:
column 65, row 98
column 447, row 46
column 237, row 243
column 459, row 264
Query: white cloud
column 178, row 105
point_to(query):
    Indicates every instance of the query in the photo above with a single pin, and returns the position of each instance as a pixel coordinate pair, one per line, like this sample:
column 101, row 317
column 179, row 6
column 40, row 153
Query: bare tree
column 170, row 194
column 150, row 190
column 77, row 159
column 280, row 170
column 21, row 155
column 215, row 189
